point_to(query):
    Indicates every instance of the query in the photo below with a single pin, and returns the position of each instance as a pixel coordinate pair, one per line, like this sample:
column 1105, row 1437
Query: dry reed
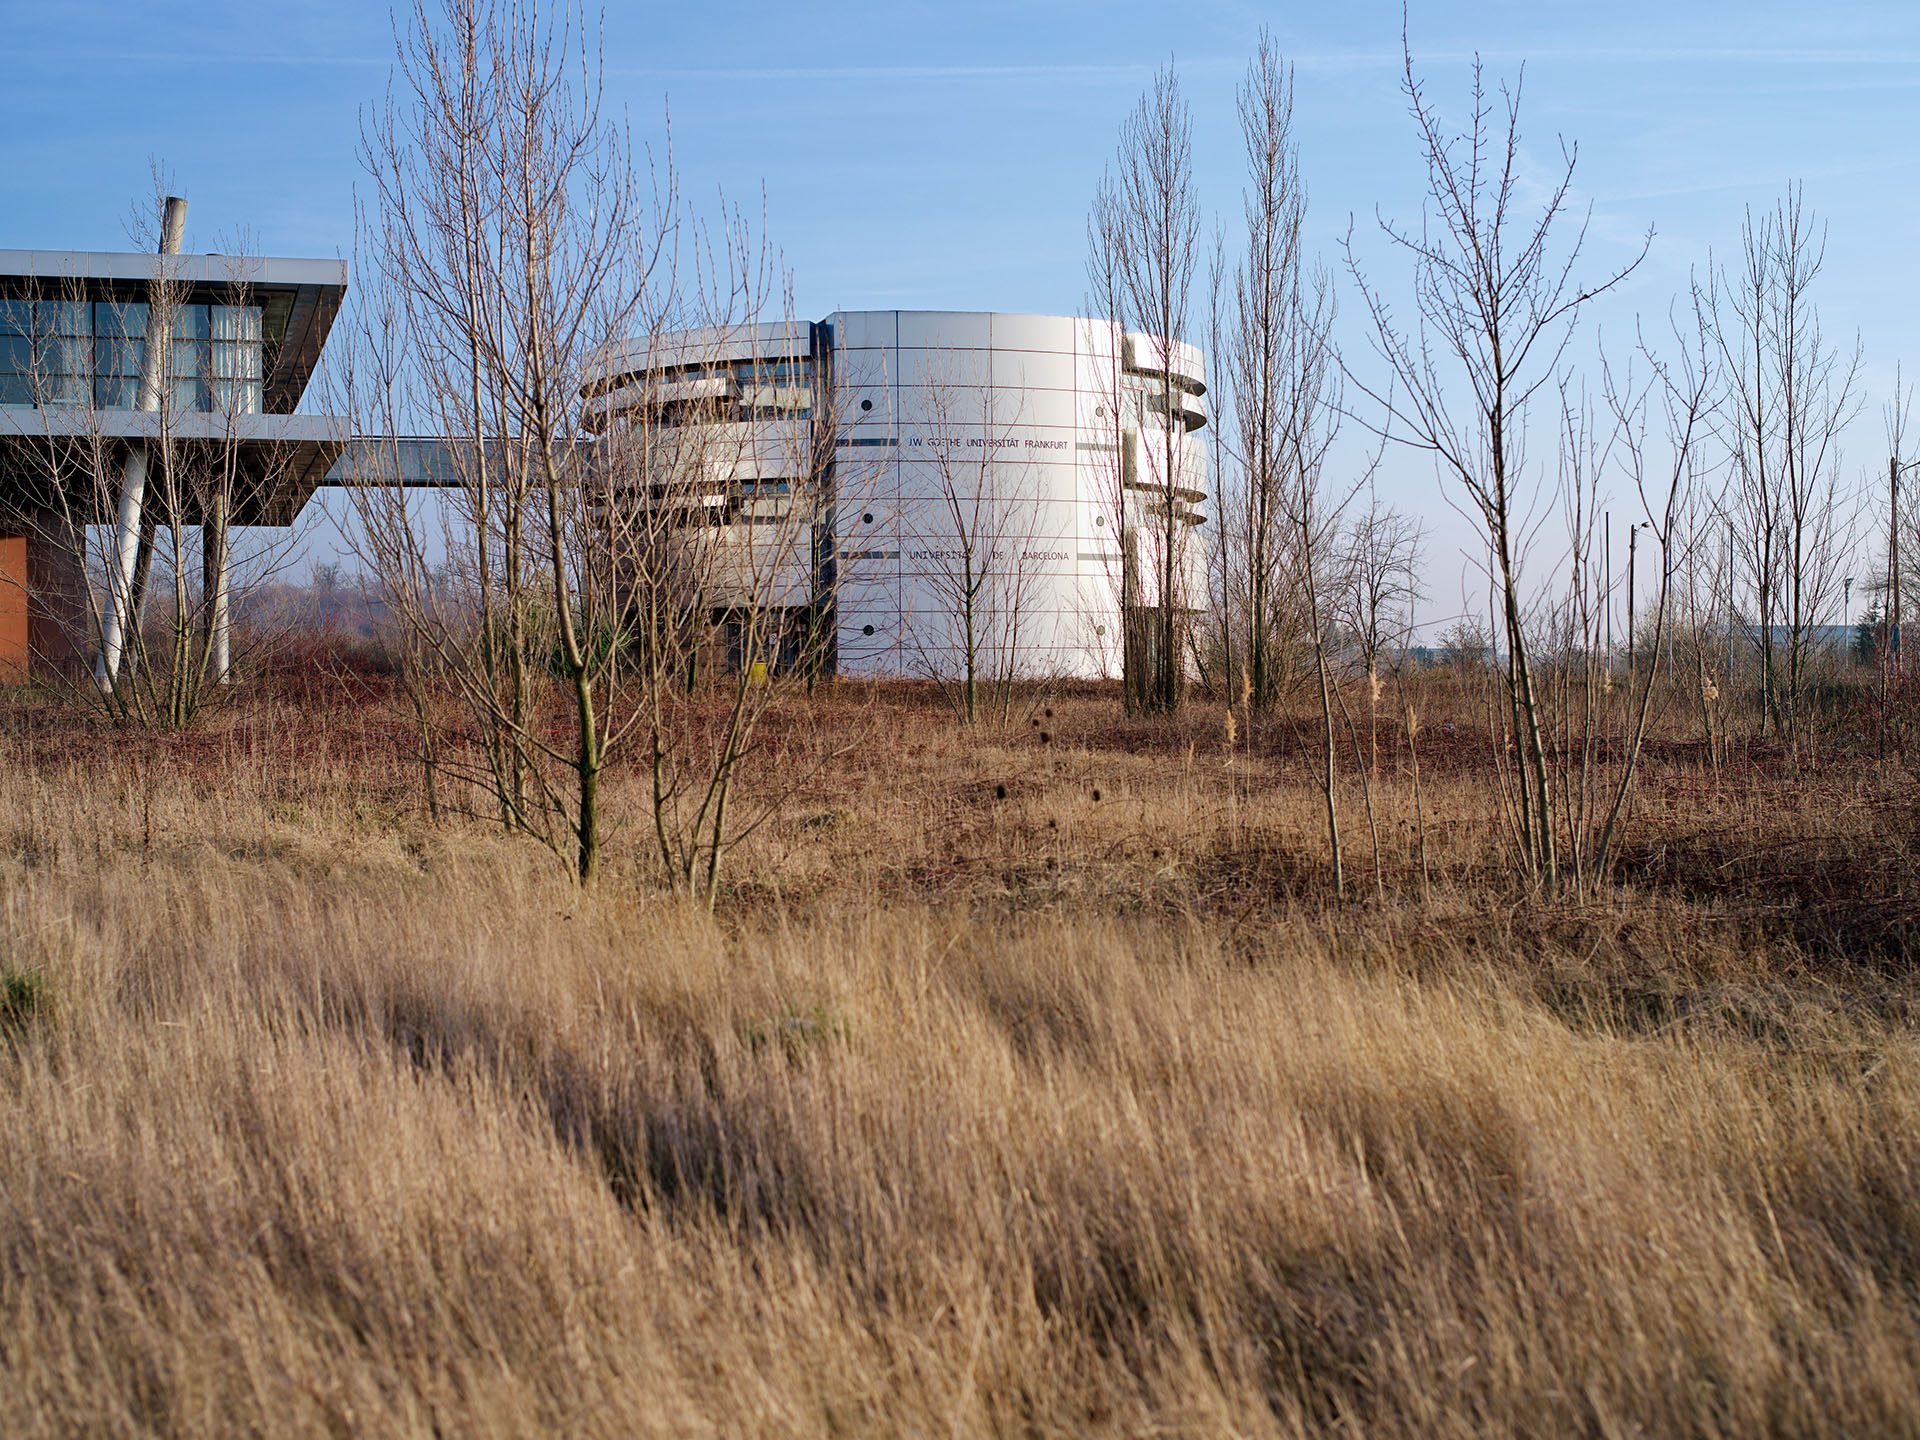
column 969, row 1115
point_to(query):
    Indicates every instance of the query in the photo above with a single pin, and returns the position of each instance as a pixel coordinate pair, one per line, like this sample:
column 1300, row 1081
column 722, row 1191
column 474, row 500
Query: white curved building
column 944, row 483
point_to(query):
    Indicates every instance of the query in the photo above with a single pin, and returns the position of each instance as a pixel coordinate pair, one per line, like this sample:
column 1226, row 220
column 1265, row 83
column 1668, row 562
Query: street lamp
column 1894, row 466
column 1633, row 540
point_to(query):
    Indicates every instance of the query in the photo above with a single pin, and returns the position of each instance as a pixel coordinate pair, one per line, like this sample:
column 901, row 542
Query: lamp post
column 1606, row 565
column 1891, row 668
column 1633, row 541
column 1846, row 613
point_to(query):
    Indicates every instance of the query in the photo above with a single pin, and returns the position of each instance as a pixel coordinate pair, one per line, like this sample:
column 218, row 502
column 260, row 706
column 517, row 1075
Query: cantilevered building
column 1021, row 459
column 902, row 485
column 107, row 422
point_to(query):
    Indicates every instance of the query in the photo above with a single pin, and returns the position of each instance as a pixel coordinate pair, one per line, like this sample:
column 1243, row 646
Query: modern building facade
column 905, row 490
column 984, row 483
column 93, row 405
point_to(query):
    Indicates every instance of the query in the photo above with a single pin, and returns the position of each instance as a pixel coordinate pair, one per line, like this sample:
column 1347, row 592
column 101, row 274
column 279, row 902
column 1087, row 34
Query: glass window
column 129, row 319
column 235, row 358
column 235, row 322
column 189, row 359
column 65, row 386
column 50, row 370
column 69, row 354
column 113, row 356
column 116, row 392
column 62, row 317
column 16, row 317
column 190, row 322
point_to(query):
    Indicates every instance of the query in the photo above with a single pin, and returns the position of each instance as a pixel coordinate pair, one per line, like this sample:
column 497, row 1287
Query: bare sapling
column 507, row 247
column 1786, row 397
column 160, row 616
column 1144, row 235
column 970, row 544
column 1496, row 304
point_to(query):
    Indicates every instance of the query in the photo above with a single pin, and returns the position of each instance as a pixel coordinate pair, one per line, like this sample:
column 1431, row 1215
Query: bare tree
column 505, row 254
column 1701, row 631
column 971, row 547
column 631, row 548
column 1788, row 394
column 190, row 361
column 724, row 489
column 1271, row 367
column 1650, row 434
column 1144, row 237
column 1380, row 559
column 1497, row 302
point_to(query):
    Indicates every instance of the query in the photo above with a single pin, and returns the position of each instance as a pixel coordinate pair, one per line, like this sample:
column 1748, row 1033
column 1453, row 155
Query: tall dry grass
column 973, row 1112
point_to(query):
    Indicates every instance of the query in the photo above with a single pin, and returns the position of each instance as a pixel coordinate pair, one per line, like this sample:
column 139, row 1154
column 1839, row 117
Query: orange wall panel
column 14, row 654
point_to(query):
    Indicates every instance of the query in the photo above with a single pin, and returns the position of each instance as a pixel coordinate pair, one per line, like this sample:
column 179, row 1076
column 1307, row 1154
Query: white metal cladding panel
column 864, row 329
column 921, row 366
column 869, row 627
column 866, row 521
column 1018, row 405
column 865, row 371
column 864, row 603
column 710, row 345
column 766, row 445
column 1048, row 375
column 1034, row 370
column 869, row 540
column 1156, row 356
column 862, row 655
column 1035, row 332
column 1100, row 478
column 964, row 409
column 1040, row 627
column 1149, row 460
column 877, row 421
column 1013, row 527
column 1055, row 526
column 968, row 439
column 1097, row 341
column 954, row 411
column 859, row 492
column 872, row 436
column 1097, row 375
column 1062, row 640
column 1017, row 490
column 1095, row 621
column 945, row 329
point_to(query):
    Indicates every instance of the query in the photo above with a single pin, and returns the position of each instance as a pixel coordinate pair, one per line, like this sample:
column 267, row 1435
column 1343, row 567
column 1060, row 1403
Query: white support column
column 215, row 561
column 155, row 372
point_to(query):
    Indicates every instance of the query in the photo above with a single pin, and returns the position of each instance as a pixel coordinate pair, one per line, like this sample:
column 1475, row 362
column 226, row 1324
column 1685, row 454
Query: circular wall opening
column 868, row 517
column 866, row 404
column 866, row 629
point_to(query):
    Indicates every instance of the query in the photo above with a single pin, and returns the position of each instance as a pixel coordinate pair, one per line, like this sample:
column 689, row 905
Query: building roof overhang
column 299, row 298
column 69, row 459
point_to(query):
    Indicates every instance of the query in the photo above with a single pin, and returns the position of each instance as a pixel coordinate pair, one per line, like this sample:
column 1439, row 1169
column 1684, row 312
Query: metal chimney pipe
column 155, row 373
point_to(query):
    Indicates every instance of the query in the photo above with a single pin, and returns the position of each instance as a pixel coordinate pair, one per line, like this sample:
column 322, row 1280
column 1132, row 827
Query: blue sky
column 941, row 156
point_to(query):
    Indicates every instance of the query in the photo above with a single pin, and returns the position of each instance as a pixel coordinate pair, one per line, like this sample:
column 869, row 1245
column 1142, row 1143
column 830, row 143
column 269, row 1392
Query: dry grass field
column 1027, row 1083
